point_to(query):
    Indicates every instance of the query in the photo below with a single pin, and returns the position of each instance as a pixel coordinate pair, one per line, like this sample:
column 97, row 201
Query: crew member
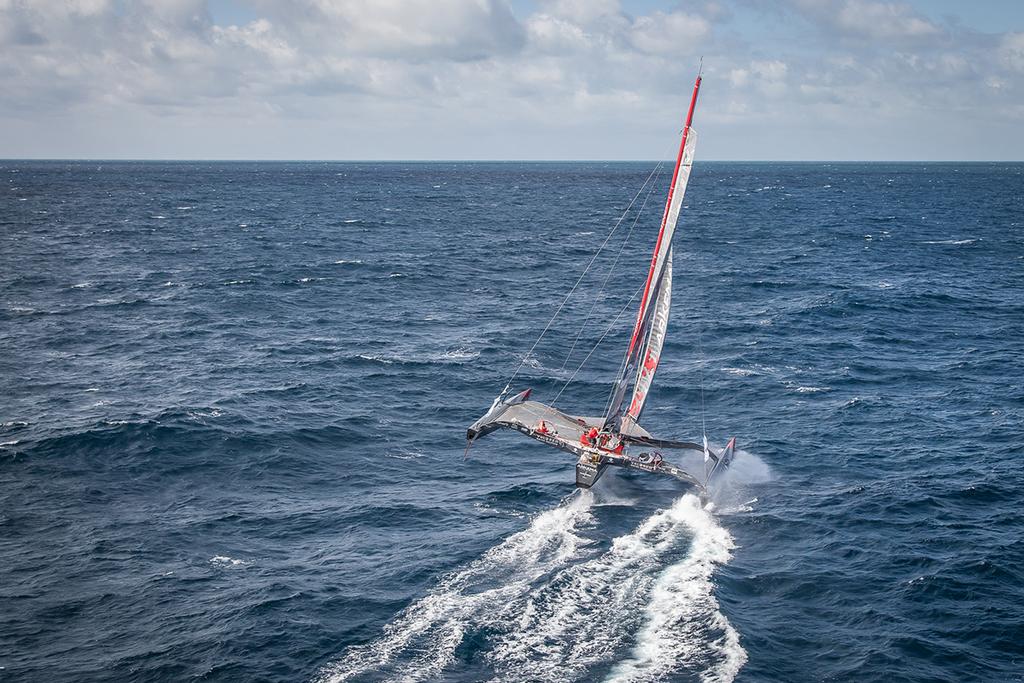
column 542, row 428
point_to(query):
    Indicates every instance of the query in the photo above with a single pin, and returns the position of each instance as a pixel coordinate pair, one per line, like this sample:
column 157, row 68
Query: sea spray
column 548, row 610
column 432, row 628
column 683, row 628
column 591, row 609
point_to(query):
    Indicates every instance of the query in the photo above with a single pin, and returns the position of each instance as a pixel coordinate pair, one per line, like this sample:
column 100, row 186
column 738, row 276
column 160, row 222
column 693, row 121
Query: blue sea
column 234, row 398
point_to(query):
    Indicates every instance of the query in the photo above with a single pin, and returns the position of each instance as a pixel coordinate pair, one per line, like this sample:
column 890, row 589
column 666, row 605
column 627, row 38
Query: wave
column 546, row 604
column 435, row 625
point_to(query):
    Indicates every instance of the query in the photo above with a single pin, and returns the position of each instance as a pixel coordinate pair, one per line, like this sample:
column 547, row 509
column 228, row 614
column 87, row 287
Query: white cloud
column 1011, row 51
column 575, row 74
column 868, row 18
column 675, row 33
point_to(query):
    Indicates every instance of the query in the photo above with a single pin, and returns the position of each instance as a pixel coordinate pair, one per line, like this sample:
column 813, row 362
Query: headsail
column 652, row 348
column 658, row 281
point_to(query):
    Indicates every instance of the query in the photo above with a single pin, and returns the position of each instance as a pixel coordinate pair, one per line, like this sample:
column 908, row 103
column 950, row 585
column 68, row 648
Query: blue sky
column 524, row 79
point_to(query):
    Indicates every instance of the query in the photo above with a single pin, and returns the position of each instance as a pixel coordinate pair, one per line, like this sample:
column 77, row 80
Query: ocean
column 234, row 398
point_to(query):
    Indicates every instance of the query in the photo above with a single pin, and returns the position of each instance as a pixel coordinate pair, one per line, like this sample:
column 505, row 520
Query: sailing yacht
column 616, row 438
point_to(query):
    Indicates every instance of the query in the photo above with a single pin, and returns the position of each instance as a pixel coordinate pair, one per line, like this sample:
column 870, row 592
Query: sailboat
column 616, row 439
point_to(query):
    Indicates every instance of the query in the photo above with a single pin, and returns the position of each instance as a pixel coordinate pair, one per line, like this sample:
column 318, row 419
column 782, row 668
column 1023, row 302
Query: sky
column 516, row 79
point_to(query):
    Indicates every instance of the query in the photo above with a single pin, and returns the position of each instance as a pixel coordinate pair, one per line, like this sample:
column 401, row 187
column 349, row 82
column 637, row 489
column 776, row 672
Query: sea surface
column 234, row 398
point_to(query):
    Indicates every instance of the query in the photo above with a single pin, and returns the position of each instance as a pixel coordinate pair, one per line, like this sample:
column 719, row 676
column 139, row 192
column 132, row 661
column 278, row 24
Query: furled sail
column 655, row 288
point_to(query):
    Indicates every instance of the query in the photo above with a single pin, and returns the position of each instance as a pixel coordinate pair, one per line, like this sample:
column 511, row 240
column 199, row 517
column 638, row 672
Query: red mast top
column 664, row 218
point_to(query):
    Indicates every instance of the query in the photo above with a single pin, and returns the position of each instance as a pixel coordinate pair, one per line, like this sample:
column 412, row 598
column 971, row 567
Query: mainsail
column 652, row 318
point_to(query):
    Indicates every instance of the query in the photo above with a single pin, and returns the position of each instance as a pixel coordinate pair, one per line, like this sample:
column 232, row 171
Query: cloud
column 867, row 18
column 1011, row 51
column 674, row 33
column 577, row 77
column 418, row 29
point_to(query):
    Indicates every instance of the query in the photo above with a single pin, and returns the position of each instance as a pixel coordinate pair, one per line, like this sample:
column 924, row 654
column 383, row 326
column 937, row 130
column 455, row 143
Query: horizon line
column 507, row 161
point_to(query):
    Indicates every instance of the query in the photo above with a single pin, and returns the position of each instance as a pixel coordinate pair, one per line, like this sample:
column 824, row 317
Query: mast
column 655, row 276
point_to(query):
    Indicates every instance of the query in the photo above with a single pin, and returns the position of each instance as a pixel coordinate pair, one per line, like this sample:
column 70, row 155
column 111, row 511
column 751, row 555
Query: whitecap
column 951, row 242
column 459, row 354
column 343, row 262
column 405, row 454
column 225, row 562
column 376, row 359
column 81, row 285
column 740, row 372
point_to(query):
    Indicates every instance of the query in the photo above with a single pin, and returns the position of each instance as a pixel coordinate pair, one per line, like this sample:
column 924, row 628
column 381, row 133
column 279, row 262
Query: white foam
column 740, row 372
column 592, row 608
column 683, row 627
column 951, row 242
column 553, row 606
column 459, row 354
column 432, row 628
column 225, row 562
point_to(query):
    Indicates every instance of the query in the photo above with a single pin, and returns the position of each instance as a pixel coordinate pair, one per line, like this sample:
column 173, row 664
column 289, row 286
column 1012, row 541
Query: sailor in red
column 542, row 428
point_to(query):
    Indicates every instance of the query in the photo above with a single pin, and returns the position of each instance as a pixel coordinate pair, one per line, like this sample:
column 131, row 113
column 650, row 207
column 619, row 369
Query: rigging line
column 611, row 270
column 584, row 361
column 583, row 275
column 700, row 339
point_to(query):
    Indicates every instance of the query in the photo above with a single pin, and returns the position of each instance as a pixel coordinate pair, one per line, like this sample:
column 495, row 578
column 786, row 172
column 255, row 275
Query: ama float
column 616, row 438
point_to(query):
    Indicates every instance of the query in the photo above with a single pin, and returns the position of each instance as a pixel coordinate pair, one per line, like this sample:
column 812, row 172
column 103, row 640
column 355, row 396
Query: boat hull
column 587, row 472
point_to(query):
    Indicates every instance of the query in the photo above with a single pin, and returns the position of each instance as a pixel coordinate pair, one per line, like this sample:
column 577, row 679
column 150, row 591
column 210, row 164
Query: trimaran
column 612, row 440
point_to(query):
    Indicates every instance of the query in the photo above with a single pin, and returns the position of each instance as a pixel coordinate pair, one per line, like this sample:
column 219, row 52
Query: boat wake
column 549, row 604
